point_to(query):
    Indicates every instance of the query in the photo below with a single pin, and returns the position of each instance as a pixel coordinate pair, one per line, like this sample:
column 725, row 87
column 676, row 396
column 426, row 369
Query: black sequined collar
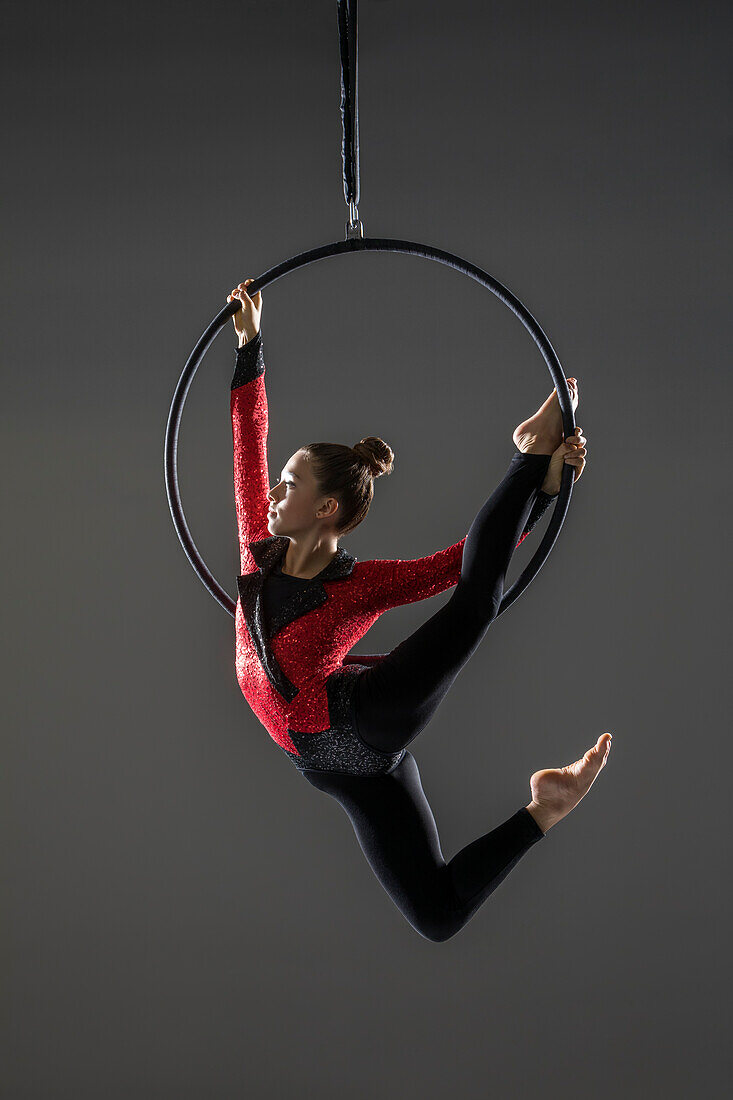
column 268, row 552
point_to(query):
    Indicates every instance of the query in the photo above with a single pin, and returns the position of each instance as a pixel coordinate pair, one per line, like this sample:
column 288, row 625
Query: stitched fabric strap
column 347, row 17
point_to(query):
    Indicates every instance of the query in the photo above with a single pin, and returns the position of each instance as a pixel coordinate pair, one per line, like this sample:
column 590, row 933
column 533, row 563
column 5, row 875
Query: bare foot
column 573, row 452
column 542, row 433
column 557, row 791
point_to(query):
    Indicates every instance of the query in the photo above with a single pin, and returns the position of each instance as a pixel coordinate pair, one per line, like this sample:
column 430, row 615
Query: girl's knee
column 440, row 917
column 437, row 930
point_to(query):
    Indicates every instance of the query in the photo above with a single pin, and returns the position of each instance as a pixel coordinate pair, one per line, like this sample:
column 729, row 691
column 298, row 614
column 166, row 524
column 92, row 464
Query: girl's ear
column 331, row 507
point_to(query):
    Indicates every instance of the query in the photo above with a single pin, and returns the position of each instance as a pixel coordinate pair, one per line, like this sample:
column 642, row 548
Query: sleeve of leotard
column 249, row 436
column 540, row 506
column 385, row 583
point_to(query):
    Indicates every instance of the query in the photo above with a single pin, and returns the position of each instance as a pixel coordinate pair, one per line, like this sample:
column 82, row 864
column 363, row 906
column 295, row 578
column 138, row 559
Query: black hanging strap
column 348, row 19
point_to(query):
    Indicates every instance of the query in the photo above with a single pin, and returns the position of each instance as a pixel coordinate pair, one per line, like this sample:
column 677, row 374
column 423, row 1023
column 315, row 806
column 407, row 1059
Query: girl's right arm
column 249, row 429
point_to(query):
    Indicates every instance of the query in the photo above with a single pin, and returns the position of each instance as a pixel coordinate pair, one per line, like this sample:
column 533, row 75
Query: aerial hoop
column 347, row 11
column 367, row 244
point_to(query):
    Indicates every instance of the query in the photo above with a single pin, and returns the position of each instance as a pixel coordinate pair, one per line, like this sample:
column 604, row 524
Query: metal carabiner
column 354, row 228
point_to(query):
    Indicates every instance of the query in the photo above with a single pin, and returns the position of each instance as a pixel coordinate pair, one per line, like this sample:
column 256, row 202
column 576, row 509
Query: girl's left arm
column 384, row 584
column 249, row 434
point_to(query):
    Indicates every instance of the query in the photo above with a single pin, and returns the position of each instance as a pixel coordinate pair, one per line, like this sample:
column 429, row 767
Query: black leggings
column 396, row 698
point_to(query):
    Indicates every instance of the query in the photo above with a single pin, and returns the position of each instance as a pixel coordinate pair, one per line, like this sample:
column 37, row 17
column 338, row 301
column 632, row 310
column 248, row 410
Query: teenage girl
column 345, row 721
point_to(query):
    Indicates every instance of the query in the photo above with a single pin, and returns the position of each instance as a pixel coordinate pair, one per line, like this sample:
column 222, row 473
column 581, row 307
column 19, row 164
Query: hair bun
column 375, row 454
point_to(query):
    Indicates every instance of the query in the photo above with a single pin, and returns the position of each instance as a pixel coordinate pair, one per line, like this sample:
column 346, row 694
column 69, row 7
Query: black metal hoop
column 367, row 244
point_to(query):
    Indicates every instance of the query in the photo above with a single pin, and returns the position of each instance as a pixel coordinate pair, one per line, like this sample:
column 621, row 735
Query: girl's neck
column 308, row 562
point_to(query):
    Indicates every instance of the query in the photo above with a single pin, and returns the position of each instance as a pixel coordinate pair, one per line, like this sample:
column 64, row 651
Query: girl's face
column 297, row 506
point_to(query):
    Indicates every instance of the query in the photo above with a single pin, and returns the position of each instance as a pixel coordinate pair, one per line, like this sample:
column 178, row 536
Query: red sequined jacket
column 284, row 671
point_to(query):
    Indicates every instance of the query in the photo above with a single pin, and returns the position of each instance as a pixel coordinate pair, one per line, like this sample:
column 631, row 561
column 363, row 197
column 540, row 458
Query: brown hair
column 348, row 473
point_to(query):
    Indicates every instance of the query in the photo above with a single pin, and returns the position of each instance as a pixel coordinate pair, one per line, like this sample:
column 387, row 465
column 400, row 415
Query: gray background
column 184, row 915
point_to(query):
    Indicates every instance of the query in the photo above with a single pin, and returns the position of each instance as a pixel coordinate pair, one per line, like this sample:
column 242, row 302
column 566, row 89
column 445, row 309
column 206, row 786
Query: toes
column 599, row 753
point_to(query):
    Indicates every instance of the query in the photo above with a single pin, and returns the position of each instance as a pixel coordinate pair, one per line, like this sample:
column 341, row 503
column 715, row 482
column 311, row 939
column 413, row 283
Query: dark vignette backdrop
column 184, row 916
